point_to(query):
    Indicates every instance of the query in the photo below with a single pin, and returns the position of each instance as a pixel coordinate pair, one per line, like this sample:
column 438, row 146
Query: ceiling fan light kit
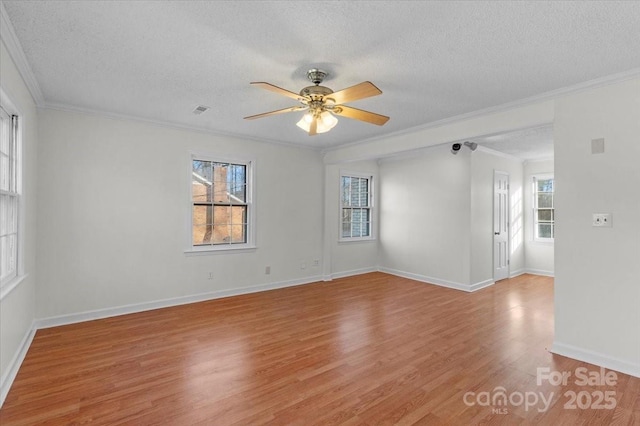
column 324, row 122
column 322, row 103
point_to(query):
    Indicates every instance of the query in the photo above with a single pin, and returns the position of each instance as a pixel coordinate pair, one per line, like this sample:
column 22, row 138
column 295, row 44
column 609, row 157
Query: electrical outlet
column 602, row 220
column 267, row 270
column 210, row 277
column 316, row 262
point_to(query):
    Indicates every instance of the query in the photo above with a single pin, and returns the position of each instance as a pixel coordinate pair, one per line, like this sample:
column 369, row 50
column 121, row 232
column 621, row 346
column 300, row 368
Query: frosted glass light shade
column 326, row 122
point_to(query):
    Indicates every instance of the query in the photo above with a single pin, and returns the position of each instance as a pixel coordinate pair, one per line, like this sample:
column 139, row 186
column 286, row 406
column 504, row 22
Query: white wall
column 597, row 284
column 17, row 308
column 483, row 166
column 425, row 216
column 538, row 255
column 353, row 257
column 437, row 216
column 113, row 214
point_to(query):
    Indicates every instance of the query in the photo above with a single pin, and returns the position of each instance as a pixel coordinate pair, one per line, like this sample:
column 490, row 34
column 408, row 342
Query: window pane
column 4, row 214
column 5, row 132
column 202, row 215
column 545, row 185
column 221, row 215
column 12, row 215
column 238, row 215
column 201, row 192
column 346, row 229
column 221, row 234
column 202, row 234
column 237, row 175
column 4, row 172
column 4, row 255
column 545, row 215
column 544, row 230
column 545, row 200
column 11, row 255
column 345, row 191
column 201, row 180
column 355, row 191
column 237, row 193
column 220, row 192
column 238, row 233
column 364, row 199
column 346, row 215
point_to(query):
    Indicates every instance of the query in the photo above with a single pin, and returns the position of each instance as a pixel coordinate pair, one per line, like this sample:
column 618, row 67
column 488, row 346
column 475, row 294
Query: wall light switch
column 602, row 220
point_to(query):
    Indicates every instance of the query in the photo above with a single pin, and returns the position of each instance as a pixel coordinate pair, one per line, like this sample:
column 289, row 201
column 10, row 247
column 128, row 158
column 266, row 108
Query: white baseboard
column 516, row 273
column 165, row 303
column 595, row 358
column 14, row 365
column 351, row 273
column 437, row 281
column 482, row 284
column 539, row 272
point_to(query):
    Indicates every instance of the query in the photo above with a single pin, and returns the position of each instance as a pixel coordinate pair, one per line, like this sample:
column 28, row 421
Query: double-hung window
column 356, row 202
column 221, row 204
column 9, row 196
column 543, row 210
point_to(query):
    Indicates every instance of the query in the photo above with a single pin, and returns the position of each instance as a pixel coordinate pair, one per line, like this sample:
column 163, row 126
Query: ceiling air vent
column 200, row 109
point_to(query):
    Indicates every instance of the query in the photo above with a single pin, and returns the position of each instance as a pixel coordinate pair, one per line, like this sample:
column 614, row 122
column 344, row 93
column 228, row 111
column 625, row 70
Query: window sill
column 220, row 250
column 8, row 287
column 356, row 240
column 548, row 242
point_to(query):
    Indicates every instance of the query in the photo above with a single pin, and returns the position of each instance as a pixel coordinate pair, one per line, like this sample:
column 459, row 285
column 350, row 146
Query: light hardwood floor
column 364, row 350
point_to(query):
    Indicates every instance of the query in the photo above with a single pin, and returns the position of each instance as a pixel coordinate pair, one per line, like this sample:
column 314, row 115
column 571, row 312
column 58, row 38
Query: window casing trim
column 250, row 244
column 372, row 211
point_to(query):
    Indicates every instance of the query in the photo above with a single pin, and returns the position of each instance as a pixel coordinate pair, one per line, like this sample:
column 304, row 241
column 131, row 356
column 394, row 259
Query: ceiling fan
column 321, row 103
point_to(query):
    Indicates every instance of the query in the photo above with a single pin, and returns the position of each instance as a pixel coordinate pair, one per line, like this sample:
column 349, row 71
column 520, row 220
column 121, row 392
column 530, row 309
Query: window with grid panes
column 355, row 207
column 543, row 212
column 9, row 197
column 221, row 204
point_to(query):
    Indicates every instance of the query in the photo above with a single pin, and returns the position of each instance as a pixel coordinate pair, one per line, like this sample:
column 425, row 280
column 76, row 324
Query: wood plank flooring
column 365, row 350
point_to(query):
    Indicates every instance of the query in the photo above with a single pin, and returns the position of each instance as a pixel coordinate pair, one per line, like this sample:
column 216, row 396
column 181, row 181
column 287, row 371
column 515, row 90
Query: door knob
column 496, row 233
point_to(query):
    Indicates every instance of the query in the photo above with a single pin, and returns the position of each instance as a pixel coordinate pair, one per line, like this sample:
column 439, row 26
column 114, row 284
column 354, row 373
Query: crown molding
column 539, row 160
column 8, row 36
column 168, row 125
column 546, row 96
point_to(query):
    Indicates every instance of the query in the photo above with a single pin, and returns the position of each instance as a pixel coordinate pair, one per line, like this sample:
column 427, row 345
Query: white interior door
column 500, row 226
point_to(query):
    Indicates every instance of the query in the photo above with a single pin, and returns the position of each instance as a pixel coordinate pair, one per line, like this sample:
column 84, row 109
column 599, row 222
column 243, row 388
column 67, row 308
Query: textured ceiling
column 527, row 144
column 158, row 60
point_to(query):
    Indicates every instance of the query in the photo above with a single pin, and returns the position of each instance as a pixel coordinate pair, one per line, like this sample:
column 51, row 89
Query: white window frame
column 11, row 282
column 371, row 207
column 536, row 178
column 250, row 244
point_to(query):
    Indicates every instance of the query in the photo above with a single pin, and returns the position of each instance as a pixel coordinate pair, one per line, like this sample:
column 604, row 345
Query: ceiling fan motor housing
column 316, row 91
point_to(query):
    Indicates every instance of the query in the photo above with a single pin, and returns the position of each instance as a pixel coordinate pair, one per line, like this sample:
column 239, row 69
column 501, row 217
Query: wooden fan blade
column 359, row 114
column 313, row 128
column 279, row 111
column 276, row 89
column 363, row 90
